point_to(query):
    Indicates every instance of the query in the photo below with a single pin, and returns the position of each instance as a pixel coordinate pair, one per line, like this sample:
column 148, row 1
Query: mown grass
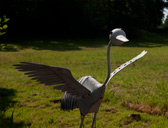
column 142, row 84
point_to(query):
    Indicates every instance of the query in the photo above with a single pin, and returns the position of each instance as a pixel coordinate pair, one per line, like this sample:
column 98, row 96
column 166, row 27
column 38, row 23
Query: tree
column 76, row 16
column 3, row 27
column 166, row 22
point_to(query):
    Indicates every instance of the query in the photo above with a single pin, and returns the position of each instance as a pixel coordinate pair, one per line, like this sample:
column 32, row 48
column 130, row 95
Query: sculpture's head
column 118, row 36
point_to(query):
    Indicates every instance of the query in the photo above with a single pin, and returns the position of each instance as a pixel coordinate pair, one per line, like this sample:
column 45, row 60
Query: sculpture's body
column 85, row 93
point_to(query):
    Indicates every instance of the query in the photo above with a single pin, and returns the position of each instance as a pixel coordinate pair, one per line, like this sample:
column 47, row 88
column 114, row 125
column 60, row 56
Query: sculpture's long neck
column 108, row 63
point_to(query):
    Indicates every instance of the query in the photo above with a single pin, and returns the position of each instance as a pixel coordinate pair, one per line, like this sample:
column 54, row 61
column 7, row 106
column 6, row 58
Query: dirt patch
column 127, row 121
column 56, row 101
column 111, row 109
column 145, row 108
column 35, row 94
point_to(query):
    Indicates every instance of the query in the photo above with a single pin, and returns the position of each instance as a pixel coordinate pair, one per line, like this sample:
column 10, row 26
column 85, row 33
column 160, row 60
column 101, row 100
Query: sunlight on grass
column 142, row 83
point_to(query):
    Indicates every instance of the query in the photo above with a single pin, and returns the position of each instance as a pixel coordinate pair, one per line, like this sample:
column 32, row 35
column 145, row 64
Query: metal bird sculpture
column 85, row 93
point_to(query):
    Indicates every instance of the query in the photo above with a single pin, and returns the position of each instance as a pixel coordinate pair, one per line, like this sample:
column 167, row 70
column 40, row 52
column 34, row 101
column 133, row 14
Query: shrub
column 3, row 27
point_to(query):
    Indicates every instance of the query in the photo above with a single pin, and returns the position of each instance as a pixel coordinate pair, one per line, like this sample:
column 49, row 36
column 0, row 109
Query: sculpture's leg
column 82, row 119
column 94, row 120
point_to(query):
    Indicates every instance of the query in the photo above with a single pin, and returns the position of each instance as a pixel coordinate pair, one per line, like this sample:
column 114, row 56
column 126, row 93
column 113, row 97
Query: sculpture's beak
column 122, row 38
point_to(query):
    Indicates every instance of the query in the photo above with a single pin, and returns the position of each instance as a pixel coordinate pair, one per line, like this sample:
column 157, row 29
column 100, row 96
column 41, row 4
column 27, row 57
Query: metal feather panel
column 68, row 102
column 125, row 65
column 50, row 75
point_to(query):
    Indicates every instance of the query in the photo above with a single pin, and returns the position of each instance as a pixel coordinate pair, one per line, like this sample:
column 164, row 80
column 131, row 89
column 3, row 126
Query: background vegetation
column 67, row 17
column 3, row 27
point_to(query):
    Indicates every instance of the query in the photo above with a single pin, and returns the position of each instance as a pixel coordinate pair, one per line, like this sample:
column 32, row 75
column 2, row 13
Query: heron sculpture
column 86, row 93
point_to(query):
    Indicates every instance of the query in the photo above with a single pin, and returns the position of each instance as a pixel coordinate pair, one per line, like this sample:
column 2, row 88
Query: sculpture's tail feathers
column 68, row 102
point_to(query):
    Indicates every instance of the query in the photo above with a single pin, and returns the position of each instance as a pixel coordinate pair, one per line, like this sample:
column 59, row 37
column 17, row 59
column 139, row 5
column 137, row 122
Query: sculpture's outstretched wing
column 126, row 64
column 49, row 75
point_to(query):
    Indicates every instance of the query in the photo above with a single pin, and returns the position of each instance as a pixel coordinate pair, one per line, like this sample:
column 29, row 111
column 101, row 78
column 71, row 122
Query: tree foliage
column 166, row 23
column 67, row 16
column 3, row 27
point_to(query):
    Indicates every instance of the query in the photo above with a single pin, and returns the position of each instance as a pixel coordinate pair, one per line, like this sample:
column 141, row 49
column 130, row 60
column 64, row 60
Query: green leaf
column 6, row 20
column 5, row 26
column 2, row 33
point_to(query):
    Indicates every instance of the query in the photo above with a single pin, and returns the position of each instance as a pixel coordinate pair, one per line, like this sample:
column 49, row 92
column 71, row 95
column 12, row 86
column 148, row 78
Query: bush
column 3, row 27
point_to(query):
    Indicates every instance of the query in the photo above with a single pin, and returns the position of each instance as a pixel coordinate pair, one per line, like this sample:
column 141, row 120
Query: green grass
column 141, row 88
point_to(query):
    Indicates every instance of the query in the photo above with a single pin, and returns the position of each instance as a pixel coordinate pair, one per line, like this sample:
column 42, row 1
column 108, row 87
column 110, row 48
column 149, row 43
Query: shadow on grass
column 6, row 102
column 53, row 44
column 149, row 40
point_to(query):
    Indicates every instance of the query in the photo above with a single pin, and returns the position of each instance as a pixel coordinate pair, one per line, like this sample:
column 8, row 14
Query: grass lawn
column 137, row 97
